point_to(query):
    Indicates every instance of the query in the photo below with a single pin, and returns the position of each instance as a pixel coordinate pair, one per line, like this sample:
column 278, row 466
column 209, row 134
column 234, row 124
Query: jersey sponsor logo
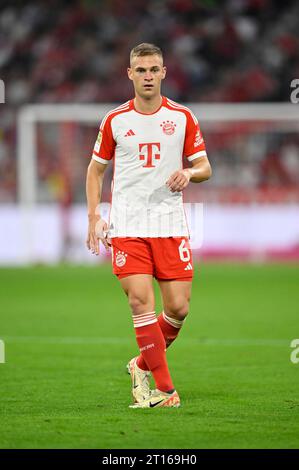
column 120, row 259
column 129, row 133
column 148, row 154
column 99, row 138
column 168, row 127
column 198, row 139
column 97, row 147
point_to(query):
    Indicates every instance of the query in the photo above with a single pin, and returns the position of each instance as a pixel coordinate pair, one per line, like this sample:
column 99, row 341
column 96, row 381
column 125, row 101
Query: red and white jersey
column 147, row 149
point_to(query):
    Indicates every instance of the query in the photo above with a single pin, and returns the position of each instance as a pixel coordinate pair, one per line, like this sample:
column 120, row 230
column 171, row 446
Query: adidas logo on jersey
column 188, row 267
column 129, row 133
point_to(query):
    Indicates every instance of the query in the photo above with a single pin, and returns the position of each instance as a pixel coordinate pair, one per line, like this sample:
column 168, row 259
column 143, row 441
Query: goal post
column 30, row 115
column 278, row 117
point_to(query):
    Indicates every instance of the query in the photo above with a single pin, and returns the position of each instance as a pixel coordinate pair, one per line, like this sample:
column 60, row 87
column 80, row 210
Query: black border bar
column 137, row 458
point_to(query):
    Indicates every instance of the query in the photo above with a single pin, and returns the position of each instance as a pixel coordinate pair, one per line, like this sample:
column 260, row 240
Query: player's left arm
column 195, row 152
column 201, row 171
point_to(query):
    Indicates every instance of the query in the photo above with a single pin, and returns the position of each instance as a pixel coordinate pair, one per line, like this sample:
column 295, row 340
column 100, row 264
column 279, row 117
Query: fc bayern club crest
column 120, row 259
column 168, row 127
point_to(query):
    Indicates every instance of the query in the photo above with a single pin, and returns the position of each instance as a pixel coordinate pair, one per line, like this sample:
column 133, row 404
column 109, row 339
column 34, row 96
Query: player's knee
column 139, row 304
column 178, row 309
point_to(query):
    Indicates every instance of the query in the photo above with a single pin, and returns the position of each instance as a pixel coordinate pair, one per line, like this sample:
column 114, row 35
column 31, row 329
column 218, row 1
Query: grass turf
column 68, row 335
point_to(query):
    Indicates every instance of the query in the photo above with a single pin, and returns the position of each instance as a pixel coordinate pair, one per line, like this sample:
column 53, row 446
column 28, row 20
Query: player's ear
column 164, row 72
column 129, row 70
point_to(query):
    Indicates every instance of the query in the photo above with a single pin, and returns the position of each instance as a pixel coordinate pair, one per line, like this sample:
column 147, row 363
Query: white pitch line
column 127, row 340
column 64, row 340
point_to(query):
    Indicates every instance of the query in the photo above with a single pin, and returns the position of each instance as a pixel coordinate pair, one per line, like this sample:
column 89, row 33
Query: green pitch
column 68, row 336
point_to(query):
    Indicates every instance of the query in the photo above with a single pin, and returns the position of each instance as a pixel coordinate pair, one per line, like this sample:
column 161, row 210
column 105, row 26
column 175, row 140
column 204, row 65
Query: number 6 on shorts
column 184, row 251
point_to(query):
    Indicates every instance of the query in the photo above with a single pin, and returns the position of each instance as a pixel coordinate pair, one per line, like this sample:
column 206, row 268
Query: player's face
column 147, row 72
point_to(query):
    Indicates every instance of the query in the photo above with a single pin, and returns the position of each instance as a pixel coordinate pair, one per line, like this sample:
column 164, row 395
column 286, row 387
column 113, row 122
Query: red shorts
column 163, row 258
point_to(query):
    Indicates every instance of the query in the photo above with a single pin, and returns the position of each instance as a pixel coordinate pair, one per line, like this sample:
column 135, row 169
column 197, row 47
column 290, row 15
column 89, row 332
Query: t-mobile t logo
column 148, row 153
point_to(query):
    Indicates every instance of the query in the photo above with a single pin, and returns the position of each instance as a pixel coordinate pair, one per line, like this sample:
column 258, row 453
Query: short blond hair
column 145, row 49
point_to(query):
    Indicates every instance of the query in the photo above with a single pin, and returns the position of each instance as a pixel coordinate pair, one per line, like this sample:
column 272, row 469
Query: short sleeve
column 194, row 146
column 105, row 144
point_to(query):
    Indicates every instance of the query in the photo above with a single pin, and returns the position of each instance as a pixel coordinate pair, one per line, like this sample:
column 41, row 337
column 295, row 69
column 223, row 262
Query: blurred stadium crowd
column 215, row 51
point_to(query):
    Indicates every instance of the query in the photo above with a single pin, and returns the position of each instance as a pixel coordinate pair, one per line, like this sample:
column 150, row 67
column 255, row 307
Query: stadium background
column 63, row 319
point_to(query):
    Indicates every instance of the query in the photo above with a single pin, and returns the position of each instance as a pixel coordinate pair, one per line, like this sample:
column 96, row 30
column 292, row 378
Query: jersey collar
column 132, row 105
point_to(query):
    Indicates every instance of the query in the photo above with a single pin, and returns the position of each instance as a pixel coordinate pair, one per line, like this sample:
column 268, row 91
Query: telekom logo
column 148, row 153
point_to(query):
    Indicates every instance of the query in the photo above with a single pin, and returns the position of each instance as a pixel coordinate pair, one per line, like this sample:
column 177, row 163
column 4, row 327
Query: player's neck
column 147, row 106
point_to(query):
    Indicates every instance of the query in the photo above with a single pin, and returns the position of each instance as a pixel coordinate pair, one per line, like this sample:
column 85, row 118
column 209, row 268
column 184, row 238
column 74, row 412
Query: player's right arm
column 102, row 153
column 94, row 184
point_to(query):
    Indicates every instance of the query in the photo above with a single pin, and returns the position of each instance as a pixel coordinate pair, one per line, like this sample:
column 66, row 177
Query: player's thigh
column 131, row 255
column 176, row 296
column 140, row 292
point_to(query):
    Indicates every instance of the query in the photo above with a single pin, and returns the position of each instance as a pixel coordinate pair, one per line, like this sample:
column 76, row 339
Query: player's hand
column 179, row 180
column 92, row 241
column 101, row 230
column 97, row 230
